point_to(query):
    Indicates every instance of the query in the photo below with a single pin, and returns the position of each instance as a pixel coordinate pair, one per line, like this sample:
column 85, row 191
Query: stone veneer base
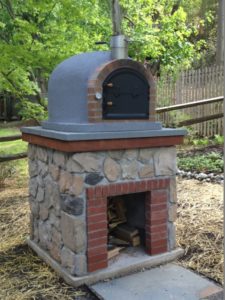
column 117, row 269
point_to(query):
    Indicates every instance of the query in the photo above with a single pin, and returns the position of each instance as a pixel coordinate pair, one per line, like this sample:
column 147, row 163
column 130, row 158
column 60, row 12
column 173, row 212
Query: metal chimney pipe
column 119, row 47
column 118, row 41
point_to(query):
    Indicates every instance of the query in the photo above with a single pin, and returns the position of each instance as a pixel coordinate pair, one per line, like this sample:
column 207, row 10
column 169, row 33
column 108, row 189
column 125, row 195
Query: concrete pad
column 133, row 260
column 167, row 282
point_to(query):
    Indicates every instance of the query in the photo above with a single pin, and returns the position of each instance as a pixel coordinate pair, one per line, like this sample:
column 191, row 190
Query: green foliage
column 208, row 163
column 29, row 110
column 219, row 139
column 36, row 35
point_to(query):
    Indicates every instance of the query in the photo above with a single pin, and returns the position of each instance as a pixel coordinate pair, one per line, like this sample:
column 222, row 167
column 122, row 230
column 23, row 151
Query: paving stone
column 89, row 162
column 147, row 171
column 73, row 167
column 54, row 172
column 130, row 154
column 129, row 169
column 112, row 169
column 93, row 178
column 172, row 212
column 52, row 194
column 80, row 265
column 165, row 161
column 33, row 186
column 171, row 236
column 40, row 194
column 67, row 258
column 146, row 155
column 65, row 181
column 41, row 154
column 34, row 206
column 72, row 205
column 43, row 212
column 173, row 190
column 77, row 185
column 59, row 159
column 44, row 229
column 42, row 168
column 73, row 232
column 54, row 219
column 31, row 151
column 168, row 281
column 33, row 168
column 117, row 154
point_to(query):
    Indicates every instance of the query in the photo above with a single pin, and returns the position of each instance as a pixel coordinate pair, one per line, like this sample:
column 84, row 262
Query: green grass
column 9, row 131
column 13, row 147
column 17, row 168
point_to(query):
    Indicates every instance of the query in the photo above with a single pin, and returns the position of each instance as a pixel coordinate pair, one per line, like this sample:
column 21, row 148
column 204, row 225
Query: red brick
column 105, row 191
column 97, row 266
column 156, row 236
column 97, row 258
column 97, row 218
column 96, row 242
column 132, row 187
column 125, row 188
column 90, row 193
column 97, row 202
column 158, row 207
column 98, row 191
column 93, row 251
column 158, row 196
column 96, row 226
column 156, row 229
column 158, row 215
column 97, row 234
column 96, row 210
column 119, row 188
column 158, row 250
column 143, row 185
column 158, row 243
column 112, row 189
column 139, row 186
column 150, row 184
column 162, row 184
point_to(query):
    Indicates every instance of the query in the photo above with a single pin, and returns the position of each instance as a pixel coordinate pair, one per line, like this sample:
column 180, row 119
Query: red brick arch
column 97, row 79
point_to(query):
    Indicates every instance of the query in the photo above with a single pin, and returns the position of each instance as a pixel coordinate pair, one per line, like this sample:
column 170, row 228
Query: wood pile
column 120, row 234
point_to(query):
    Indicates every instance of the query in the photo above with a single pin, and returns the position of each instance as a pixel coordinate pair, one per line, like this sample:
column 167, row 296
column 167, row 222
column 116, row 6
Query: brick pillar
column 156, row 222
column 96, row 230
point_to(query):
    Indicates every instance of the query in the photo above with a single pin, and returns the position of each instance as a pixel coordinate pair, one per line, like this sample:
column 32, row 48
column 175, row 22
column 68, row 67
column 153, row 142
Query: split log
column 114, row 252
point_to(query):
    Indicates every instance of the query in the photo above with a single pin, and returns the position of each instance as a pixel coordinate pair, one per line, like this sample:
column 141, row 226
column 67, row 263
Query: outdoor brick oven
column 101, row 142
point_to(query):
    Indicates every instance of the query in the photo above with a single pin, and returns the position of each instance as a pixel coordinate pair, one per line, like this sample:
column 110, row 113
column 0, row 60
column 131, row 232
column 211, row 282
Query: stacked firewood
column 120, row 234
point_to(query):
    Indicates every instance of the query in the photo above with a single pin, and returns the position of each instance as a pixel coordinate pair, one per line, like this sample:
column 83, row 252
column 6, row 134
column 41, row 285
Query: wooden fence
column 8, row 157
column 193, row 86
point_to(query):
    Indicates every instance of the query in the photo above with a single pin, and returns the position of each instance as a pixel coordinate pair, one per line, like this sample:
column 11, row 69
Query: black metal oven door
column 125, row 95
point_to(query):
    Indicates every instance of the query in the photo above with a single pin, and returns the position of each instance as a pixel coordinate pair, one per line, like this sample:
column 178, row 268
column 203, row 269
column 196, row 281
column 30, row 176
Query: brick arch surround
column 156, row 197
column 97, row 79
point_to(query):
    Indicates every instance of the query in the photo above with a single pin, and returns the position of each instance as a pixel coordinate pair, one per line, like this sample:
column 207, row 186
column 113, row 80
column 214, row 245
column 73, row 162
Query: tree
column 36, row 35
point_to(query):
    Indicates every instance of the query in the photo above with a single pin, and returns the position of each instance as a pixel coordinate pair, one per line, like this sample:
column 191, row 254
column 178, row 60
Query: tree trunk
column 220, row 34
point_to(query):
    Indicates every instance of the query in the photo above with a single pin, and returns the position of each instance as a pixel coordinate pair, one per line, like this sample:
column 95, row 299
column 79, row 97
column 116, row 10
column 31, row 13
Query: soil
column 187, row 151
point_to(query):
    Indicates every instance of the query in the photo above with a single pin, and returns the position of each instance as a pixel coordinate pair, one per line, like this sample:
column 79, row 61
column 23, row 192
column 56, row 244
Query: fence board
column 193, row 85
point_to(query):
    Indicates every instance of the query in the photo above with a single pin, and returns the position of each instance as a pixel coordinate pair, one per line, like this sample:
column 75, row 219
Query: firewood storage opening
column 126, row 223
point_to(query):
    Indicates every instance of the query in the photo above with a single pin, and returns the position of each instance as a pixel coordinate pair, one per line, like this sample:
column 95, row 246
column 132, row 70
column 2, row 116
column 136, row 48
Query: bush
column 208, row 163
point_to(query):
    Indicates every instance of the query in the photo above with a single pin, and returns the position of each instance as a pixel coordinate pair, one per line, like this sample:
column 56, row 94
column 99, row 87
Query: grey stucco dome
column 67, row 88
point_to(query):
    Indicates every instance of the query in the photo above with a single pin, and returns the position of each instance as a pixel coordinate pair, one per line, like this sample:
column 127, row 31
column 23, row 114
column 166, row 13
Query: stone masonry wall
column 58, row 187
